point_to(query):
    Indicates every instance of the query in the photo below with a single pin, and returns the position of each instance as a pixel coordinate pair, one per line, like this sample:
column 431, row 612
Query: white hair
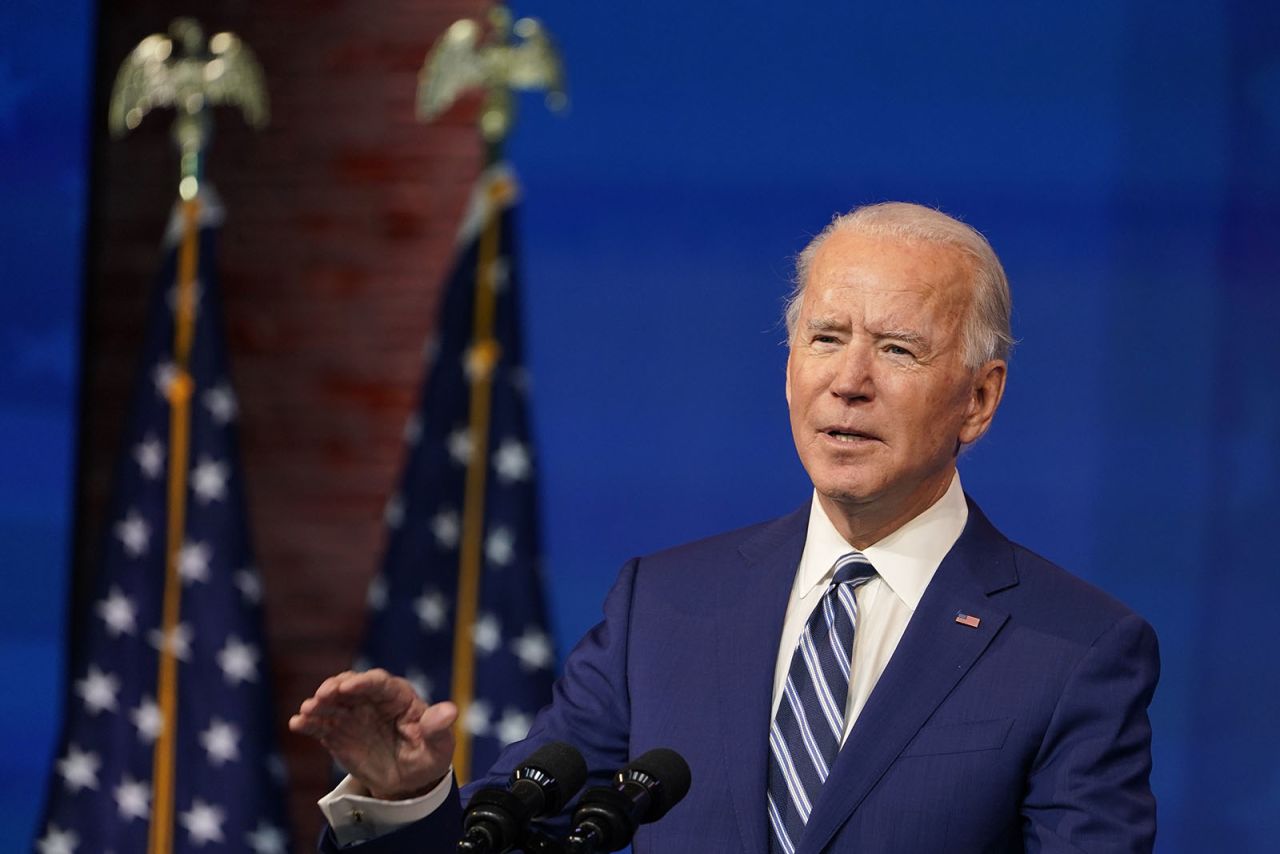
column 987, row 334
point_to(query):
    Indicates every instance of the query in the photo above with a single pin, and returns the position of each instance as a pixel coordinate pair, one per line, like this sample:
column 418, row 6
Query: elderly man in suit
column 935, row 686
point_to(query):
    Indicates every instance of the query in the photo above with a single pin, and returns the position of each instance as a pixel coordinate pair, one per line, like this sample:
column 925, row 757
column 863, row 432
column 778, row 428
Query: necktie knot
column 853, row 567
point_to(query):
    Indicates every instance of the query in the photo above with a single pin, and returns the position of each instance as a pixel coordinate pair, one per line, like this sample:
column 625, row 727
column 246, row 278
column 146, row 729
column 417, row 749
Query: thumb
column 437, row 719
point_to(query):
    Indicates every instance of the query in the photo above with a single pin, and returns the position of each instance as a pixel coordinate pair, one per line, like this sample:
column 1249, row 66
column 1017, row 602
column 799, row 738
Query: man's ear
column 984, row 399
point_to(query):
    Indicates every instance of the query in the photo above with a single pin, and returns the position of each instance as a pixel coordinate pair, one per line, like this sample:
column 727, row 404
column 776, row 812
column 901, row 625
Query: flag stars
column 446, row 528
column 221, row 741
column 486, row 634
column 393, row 515
column 118, row 613
column 249, row 584
column 79, row 769
column 149, row 455
column 203, row 822
column 533, row 648
column 459, row 444
column 98, row 690
column 476, row 718
column 499, row 546
column 430, row 348
column 431, row 609
column 106, row 693
column 134, row 533
column 413, row 429
column 162, row 377
column 511, row 461
column 421, row 684
column 239, row 661
column 193, row 562
column 177, row 642
column 209, row 480
column 513, row 726
column 376, row 598
column 275, row 767
column 57, row 841
column 266, row 839
column 147, row 720
column 221, row 403
column 133, row 799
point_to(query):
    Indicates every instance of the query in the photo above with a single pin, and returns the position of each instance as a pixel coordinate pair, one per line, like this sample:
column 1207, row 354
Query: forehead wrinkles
column 911, row 275
column 895, row 307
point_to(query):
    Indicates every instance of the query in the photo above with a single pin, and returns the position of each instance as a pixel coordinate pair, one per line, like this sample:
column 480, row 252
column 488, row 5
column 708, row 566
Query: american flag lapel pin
column 968, row 620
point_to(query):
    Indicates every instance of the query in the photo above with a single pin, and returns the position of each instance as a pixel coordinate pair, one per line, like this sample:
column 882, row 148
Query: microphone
column 496, row 817
column 642, row 792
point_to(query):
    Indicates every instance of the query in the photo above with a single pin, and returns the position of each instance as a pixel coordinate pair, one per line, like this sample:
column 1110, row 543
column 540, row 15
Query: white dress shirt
column 905, row 562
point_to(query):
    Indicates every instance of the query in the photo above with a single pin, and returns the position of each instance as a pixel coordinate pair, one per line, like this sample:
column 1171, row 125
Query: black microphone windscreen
column 670, row 770
column 563, row 764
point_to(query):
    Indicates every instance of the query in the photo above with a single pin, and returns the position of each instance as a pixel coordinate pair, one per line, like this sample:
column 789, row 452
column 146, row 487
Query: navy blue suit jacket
column 1028, row 732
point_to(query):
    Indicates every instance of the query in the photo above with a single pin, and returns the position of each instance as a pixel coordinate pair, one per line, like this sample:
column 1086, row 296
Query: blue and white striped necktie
column 809, row 726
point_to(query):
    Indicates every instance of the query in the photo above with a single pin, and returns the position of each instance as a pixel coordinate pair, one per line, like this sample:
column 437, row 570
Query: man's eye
column 898, row 350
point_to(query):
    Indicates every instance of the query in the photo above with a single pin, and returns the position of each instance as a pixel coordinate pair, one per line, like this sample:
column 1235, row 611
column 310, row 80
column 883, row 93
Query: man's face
column 877, row 385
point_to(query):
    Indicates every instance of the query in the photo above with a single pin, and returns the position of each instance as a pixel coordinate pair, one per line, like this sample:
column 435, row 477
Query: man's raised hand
column 378, row 729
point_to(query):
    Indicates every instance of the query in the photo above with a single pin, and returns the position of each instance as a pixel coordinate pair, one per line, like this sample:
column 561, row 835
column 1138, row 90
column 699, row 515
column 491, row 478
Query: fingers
column 375, row 692
column 377, row 685
column 315, row 714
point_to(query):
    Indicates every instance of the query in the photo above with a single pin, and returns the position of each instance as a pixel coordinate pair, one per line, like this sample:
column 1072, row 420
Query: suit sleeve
column 590, row 706
column 1089, row 786
column 437, row 832
column 590, row 709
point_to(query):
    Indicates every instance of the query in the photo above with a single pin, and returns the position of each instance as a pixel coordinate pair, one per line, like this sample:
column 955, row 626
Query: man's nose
column 853, row 379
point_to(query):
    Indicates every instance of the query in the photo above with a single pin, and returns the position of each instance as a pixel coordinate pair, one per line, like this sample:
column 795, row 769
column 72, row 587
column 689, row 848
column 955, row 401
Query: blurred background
column 1123, row 157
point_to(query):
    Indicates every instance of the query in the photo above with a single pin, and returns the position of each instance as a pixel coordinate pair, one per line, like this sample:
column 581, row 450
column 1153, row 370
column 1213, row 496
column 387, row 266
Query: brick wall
column 340, row 224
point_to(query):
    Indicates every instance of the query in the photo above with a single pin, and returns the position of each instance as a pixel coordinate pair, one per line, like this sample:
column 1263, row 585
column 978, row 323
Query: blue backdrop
column 45, row 53
column 1124, row 159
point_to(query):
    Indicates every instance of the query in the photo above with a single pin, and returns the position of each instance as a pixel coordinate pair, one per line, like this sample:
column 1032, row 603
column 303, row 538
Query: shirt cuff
column 356, row 816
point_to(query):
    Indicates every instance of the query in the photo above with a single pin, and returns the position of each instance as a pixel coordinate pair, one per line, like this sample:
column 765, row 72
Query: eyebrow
column 913, row 339
column 824, row 324
column 905, row 335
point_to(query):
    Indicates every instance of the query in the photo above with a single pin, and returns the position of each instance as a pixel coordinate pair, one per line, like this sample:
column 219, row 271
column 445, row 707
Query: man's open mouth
column 850, row 436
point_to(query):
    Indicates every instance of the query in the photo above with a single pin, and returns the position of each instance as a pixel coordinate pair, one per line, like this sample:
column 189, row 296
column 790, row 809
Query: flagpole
column 181, row 387
column 191, row 133
column 483, row 357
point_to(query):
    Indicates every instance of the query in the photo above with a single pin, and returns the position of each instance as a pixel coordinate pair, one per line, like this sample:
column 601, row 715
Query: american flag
column 228, row 780
column 415, row 601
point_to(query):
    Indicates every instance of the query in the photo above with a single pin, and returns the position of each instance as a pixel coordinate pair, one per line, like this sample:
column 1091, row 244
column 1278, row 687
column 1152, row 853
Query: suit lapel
column 934, row 654
column 753, row 597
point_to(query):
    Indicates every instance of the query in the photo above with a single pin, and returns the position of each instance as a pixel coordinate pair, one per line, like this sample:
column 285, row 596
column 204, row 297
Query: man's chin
column 848, row 496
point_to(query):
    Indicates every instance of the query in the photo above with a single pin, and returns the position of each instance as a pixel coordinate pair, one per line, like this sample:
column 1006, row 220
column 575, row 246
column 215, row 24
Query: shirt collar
column 906, row 559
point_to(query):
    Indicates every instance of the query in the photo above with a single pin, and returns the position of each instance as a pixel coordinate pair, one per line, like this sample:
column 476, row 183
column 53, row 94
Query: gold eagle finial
column 513, row 57
column 182, row 71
